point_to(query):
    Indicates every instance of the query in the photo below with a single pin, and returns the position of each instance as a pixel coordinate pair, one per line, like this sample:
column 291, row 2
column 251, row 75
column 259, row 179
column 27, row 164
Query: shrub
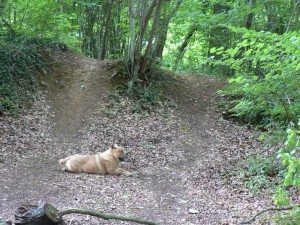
column 261, row 173
column 289, row 156
column 267, row 68
column 147, row 94
column 21, row 58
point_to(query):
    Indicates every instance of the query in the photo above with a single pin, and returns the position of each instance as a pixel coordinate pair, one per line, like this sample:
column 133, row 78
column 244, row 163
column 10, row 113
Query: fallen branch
column 266, row 210
column 48, row 214
column 105, row 216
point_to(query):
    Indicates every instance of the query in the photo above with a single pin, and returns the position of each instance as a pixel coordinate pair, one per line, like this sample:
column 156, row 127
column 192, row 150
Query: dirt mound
column 75, row 88
column 179, row 154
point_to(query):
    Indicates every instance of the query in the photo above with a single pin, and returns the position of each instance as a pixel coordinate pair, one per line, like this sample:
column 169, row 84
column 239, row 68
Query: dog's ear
column 113, row 146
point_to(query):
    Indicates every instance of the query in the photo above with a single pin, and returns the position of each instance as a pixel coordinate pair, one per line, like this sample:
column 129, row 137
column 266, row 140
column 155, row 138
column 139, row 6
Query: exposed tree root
column 267, row 210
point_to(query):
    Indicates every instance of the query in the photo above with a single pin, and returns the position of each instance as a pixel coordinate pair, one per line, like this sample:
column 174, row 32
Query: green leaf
column 262, row 137
column 213, row 50
column 248, row 52
column 288, row 180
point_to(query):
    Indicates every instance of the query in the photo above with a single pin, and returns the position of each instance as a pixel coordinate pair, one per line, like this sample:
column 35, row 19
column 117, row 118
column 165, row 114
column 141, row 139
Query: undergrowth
column 144, row 95
column 263, row 173
column 259, row 174
column 21, row 58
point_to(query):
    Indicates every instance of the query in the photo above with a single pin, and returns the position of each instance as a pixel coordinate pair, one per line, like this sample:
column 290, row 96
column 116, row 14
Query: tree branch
column 266, row 210
column 105, row 216
column 147, row 17
column 7, row 24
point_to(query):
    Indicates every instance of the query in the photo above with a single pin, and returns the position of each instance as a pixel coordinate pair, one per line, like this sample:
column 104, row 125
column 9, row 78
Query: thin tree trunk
column 80, row 23
column 106, row 31
column 147, row 59
column 143, row 24
column 250, row 16
column 147, row 17
column 182, row 48
column 155, row 39
column 274, row 21
column 131, row 44
column 295, row 15
column 162, row 34
column 136, row 39
column 89, row 40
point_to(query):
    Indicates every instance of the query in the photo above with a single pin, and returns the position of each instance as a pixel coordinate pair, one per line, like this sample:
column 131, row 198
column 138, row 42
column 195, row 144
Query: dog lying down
column 103, row 163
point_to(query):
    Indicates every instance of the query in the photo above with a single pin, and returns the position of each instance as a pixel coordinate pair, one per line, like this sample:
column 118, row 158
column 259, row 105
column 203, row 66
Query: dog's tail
column 62, row 162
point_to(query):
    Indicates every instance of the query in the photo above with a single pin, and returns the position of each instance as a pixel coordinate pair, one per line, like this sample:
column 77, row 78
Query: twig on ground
column 266, row 210
column 60, row 185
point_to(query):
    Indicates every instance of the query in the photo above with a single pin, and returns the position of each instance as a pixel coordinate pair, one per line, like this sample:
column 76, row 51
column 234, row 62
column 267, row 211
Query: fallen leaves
column 179, row 154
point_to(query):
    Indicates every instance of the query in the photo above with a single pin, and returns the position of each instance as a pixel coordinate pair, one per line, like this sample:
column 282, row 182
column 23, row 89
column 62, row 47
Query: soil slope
column 179, row 155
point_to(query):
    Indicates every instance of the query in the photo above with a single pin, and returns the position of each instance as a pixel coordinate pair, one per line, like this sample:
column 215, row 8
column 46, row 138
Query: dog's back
column 81, row 164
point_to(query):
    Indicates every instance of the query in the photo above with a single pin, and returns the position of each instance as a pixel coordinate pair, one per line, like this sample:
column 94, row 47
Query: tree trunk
column 250, row 16
column 219, row 37
column 294, row 16
column 147, row 58
column 162, row 34
column 136, row 39
column 275, row 21
column 80, row 22
column 106, row 30
column 89, row 41
column 131, row 44
column 183, row 46
column 140, row 64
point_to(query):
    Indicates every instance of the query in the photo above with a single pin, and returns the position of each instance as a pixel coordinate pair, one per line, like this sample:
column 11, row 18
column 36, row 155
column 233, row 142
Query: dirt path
column 179, row 155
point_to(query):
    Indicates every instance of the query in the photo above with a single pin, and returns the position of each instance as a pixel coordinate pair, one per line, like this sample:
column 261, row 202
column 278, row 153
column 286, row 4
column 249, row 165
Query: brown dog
column 103, row 163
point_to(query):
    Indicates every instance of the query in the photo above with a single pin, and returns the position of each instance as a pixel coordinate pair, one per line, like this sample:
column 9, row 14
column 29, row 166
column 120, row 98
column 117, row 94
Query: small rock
column 193, row 211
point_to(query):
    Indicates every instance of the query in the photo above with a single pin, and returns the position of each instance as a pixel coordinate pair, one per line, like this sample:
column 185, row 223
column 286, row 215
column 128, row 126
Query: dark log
column 44, row 214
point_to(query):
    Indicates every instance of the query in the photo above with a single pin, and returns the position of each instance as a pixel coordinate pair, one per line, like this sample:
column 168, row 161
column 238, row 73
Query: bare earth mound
column 179, row 155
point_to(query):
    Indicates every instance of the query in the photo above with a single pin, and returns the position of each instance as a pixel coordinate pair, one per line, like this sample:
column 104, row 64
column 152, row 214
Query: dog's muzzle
column 122, row 159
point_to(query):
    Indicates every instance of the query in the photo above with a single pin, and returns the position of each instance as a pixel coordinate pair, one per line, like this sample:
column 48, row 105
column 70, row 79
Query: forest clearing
column 204, row 97
column 180, row 155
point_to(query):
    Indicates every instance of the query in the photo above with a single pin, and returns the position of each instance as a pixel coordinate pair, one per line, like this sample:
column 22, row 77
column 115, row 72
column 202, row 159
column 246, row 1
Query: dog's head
column 118, row 152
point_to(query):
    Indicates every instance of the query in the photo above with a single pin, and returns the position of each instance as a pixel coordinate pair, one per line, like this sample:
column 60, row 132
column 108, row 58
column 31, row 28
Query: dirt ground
column 179, row 155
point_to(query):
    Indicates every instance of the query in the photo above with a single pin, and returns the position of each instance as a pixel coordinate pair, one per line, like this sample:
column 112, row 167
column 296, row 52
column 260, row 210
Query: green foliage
column 291, row 218
column 45, row 19
column 146, row 97
column 265, row 92
column 261, row 173
column 290, row 158
column 211, row 18
column 20, row 58
column 268, row 76
column 289, row 155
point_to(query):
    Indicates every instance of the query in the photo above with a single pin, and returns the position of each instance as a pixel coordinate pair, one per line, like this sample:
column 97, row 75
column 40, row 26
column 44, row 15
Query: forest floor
column 181, row 155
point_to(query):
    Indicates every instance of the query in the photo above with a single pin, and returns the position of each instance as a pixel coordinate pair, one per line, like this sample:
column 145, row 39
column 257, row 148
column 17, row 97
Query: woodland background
column 254, row 43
